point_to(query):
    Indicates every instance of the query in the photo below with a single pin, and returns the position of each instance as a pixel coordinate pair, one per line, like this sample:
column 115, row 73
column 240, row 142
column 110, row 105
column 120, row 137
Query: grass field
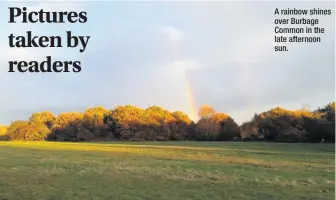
column 166, row 170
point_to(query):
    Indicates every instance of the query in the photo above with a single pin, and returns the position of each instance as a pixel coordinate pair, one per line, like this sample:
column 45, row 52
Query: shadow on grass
column 170, row 154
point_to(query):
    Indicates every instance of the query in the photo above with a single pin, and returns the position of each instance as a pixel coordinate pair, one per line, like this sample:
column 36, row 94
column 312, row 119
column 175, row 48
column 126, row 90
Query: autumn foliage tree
column 216, row 126
column 69, row 126
column 47, row 118
column 38, row 127
column 155, row 123
column 3, row 132
column 283, row 125
column 93, row 121
column 249, row 131
column 17, row 130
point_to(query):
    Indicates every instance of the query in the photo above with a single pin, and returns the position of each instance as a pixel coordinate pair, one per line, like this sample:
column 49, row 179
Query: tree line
column 155, row 123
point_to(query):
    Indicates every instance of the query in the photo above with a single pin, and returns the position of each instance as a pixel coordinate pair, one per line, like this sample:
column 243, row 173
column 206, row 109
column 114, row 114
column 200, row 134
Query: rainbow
column 192, row 110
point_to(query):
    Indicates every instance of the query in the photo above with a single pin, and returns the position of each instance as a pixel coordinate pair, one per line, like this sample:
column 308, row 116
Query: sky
column 177, row 55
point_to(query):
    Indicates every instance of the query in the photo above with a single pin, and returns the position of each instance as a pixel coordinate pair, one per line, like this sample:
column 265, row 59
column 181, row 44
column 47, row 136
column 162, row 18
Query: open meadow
column 166, row 170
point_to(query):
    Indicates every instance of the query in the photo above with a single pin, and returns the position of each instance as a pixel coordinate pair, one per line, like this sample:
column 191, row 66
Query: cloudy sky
column 143, row 53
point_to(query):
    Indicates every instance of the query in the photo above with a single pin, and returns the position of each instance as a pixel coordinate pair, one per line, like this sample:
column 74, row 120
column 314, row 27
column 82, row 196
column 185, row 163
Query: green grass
column 166, row 170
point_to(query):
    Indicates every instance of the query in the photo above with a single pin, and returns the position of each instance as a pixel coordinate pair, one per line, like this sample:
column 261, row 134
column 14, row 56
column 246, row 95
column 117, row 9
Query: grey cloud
column 271, row 83
column 122, row 63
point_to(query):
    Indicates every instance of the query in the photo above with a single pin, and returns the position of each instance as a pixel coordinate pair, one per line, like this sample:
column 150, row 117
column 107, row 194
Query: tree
column 181, row 125
column 249, row 131
column 205, row 124
column 3, row 133
column 128, row 122
column 69, row 126
column 301, row 125
column 93, row 120
column 282, row 125
column 324, row 125
column 155, row 123
column 45, row 117
column 14, row 130
column 206, row 111
column 3, row 130
column 229, row 129
column 181, row 117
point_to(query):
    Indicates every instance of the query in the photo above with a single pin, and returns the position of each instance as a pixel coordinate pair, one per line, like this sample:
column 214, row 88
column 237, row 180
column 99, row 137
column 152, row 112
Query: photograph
column 167, row 100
